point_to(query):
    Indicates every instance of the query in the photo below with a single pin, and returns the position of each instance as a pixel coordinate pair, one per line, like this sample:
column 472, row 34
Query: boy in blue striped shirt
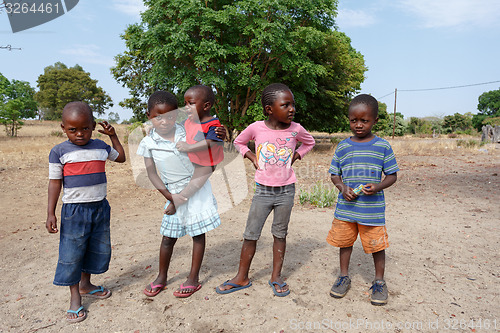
column 78, row 166
column 356, row 170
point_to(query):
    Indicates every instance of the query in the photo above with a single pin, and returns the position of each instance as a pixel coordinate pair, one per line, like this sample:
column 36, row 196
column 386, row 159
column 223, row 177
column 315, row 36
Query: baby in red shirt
column 204, row 148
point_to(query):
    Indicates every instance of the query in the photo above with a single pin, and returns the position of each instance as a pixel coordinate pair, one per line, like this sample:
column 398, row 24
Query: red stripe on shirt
column 83, row 168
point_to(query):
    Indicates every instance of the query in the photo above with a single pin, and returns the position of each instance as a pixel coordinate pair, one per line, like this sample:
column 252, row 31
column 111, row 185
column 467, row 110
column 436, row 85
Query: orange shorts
column 344, row 234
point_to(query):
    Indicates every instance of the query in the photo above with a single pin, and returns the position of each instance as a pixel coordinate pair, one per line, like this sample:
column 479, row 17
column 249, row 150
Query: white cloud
column 455, row 13
column 129, row 7
column 89, row 53
column 354, row 18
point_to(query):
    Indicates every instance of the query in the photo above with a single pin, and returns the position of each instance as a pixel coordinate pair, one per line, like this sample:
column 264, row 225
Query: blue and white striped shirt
column 361, row 163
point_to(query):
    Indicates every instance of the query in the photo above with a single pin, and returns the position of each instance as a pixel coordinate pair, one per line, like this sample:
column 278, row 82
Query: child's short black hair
column 161, row 97
column 206, row 91
column 77, row 107
column 269, row 94
column 368, row 100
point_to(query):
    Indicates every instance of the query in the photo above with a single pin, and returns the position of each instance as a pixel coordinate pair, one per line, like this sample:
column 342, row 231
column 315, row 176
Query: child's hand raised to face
column 107, row 128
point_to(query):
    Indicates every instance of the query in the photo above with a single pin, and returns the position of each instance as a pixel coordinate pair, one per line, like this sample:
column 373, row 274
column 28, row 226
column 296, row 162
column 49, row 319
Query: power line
column 453, row 87
column 441, row 88
column 392, row 92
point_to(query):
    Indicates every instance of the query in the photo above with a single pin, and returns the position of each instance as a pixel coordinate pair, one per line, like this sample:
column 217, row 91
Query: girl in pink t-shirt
column 275, row 141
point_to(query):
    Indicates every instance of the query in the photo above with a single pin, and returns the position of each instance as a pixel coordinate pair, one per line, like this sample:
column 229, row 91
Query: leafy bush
column 469, row 131
column 471, row 143
column 385, row 123
column 425, row 126
column 321, row 195
column 458, row 122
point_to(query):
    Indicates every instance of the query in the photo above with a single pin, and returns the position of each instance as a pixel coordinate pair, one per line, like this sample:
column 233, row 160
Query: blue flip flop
column 281, row 285
column 235, row 287
column 78, row 318
column 98, row 290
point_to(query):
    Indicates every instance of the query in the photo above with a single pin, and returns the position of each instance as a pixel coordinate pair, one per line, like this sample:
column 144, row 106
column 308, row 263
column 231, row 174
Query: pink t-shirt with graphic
column 275, row 150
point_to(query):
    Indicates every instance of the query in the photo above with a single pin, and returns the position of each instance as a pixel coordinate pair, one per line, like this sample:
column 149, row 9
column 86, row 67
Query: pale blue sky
column 406, row 44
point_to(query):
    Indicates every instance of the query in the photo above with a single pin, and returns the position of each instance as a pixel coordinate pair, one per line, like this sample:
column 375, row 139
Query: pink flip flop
column 152, row 293
column 183, row 287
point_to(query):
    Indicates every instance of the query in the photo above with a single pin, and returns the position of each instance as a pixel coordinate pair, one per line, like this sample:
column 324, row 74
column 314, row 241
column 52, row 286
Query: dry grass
column 44, row 128
column 33, row 130
column 411, row 145
column 35, row 139
column 430, row 146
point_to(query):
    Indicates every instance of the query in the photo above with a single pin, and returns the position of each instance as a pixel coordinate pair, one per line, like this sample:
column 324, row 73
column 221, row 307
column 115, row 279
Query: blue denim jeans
column 266, row 199
column 85, row 244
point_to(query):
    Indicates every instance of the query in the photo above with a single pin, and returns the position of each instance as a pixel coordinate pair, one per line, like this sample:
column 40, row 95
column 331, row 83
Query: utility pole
column 395, row 99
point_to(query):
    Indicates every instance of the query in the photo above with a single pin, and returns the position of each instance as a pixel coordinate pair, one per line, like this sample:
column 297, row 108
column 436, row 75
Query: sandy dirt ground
column 442, row 266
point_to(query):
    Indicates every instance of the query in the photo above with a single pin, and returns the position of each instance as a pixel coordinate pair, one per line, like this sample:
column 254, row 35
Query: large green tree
column 59, row 85
column 489, row 103
column 238, row 47
column 325, row 108
column 386, row 124
column 16, row 104
column 488, row 107
column 457, row 122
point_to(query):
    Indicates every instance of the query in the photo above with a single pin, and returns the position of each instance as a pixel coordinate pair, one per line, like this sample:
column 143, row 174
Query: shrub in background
column 320, row 195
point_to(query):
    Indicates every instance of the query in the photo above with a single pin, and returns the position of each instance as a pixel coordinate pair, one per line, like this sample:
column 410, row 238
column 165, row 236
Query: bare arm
column 371, row 188
column 155, row 179
column 203, row 144
column 200, row 176
column 198, row 146
column 110, row 131
column 159, row 185
column 55, row 186
column 252, row 157
column 201, row 173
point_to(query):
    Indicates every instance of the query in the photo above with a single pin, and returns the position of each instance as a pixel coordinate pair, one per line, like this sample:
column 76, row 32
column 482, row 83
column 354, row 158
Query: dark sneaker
column 340, row 287
column 379, row 292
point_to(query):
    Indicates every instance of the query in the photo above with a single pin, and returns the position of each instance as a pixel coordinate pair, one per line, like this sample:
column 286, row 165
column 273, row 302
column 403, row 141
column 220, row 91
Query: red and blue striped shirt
column 82, row 169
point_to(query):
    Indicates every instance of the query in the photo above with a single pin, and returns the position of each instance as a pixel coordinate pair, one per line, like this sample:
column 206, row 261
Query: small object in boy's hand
column 359, row 189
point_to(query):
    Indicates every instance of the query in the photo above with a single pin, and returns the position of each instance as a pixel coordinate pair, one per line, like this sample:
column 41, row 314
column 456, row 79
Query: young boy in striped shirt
column 78, row 166
column 356, row 170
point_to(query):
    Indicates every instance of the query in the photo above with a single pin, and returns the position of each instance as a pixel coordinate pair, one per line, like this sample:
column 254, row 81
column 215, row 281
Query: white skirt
column 197, row 216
